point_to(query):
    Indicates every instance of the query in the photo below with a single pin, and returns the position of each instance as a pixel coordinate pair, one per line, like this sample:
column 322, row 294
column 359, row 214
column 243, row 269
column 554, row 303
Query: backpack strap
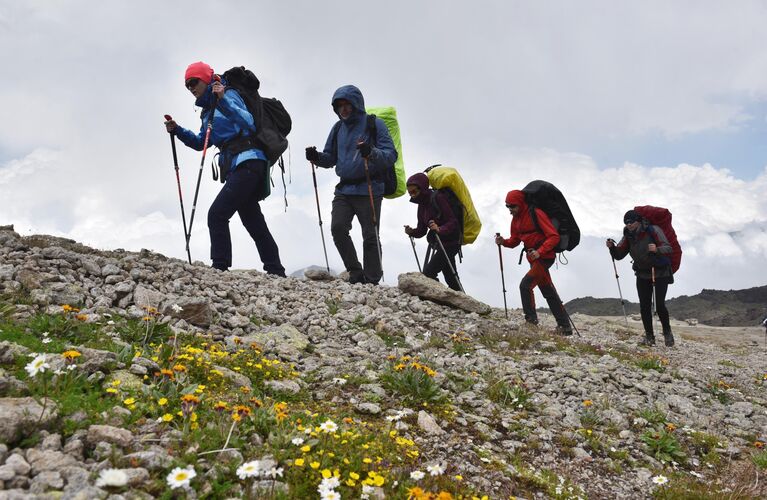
column 435, row 204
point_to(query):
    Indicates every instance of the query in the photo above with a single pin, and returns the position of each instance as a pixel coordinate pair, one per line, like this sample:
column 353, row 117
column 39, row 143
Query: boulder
column 19, row 417
column 426, row 288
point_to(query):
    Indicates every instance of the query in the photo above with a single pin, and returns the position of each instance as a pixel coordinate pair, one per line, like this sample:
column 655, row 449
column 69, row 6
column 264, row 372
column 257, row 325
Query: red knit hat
column 199, row 70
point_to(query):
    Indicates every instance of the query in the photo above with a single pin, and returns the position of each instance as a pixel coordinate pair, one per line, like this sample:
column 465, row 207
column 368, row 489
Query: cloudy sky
column 617, row 103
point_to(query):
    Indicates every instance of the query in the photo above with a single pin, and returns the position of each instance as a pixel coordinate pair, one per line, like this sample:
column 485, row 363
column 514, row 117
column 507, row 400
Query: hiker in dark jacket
column 348, row 147
column 436, row 217
column 650, row 251
column 539, row 244
column 247, row 172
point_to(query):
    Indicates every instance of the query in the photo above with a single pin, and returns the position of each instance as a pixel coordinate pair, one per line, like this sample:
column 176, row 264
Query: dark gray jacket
column 636, row 243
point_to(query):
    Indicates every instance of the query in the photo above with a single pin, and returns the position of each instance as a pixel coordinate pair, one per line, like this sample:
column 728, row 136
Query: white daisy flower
column 328, row 484
column 339, row 381
column 330, row 495
column 37, row 365
column 112, row 477
column 328, row 426
column 417, row 475
column 660, row 480
column 176, row 308
column 248, row 469
column 436, row 469
column 180, row 478
column 298, row 441
column 275, row 472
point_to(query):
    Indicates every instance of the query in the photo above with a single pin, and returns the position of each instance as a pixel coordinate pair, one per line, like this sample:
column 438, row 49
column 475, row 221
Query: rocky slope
column 348, row 390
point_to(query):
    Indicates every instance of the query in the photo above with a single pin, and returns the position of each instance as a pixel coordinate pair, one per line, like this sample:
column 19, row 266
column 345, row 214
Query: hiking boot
column 648, row 340
column 668, row 339
column 565, row 331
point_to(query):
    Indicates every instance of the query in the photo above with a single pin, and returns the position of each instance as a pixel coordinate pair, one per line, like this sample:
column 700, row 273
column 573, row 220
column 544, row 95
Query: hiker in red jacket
column 539, row 243
column 650, row 251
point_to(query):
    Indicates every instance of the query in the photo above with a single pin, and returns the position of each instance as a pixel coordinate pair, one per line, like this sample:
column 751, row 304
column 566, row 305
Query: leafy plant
column 414, row 381
column 652, row 415
column 664, row 446
column 514, row 394
column 652, row 362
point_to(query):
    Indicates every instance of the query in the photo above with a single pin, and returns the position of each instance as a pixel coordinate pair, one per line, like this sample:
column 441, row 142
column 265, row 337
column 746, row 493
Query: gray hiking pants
column 345, row 208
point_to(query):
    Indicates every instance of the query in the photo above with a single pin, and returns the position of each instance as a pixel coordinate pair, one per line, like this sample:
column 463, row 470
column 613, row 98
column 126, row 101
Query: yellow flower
column 326, row 473
column 81, row 317
column 129, row 401
column 458, row 477
column 111, row 390
column 314, row 465
column 354, row 475
column 367, row 460
column 162, row 401
column 193, row 417
column 306, row 448
column 167, row 417
column 588, row 403
column 190, row 398
column 71, row 355
column 116, row 382
column 179, row 368
column 299, row 462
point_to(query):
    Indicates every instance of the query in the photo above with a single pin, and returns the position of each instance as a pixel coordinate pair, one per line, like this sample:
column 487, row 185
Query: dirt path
column 724, row 336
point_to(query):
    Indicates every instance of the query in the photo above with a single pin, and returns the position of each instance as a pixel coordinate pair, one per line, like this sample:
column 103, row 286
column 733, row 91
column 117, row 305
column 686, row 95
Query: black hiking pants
column 345, row 208
column 437, row 263
column 644, row 290
column 539, row 276
column 239, row 194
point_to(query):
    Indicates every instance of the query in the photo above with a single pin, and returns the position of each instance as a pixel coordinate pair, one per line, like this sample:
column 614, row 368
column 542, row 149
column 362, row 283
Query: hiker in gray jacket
column 348, row 147
column 650, row 251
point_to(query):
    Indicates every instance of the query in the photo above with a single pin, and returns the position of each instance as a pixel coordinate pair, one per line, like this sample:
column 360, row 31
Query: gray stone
column 109, row 434
column 9, row 351
column 427, row 424
column 110, row 270
column 198, row 312
column 45, row 480
column 146, row 297
column 20, row 417
column 426, row 288
column 289, row 386
column 368, row 408
column 154, row 459
column 17, row 463
column 44, row 460
column 318, row 275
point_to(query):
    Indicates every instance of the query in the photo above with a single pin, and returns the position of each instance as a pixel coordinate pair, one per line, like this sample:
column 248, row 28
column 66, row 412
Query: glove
column 312, row 154
column 365, row 149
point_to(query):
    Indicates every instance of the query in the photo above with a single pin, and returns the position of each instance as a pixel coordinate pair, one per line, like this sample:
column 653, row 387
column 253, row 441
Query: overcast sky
column 618, row 103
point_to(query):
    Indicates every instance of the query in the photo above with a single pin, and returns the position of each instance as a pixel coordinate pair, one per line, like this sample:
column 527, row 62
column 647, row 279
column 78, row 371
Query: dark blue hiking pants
column 240, row 194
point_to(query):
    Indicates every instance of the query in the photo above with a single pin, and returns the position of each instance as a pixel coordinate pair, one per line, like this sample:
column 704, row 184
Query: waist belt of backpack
column 239, row 144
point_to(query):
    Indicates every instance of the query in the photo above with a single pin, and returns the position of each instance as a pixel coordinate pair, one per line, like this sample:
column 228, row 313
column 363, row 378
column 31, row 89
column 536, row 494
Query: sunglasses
column 192, row 83
column 511, row 206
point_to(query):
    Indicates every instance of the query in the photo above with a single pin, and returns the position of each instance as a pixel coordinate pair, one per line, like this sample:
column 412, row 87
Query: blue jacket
column 230, row 119
column 341, row 148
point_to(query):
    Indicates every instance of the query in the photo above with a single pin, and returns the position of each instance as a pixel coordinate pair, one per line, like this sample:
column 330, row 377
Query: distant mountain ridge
column 711, row 307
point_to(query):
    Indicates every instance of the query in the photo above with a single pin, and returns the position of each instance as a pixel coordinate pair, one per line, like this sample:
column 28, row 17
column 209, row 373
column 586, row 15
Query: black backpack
column 389, row 177
column 273, row 122
column 544, row 195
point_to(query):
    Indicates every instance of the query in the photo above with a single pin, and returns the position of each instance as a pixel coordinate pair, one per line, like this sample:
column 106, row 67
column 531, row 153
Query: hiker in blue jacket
column 348, row 147
column 650, row 250
column 244, row 167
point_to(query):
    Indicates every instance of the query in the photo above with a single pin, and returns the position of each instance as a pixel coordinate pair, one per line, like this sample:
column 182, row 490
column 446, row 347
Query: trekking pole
column 319, row 216
column 178, row 183
column 412, row 243
column 373, row 214
column 202, row 162
column 623, row 302
column 447, row 259
column 503, row 280
column 654, row 299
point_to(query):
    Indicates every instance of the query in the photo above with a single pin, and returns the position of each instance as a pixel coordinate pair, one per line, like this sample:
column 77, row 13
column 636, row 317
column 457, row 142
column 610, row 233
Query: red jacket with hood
column 523, row 228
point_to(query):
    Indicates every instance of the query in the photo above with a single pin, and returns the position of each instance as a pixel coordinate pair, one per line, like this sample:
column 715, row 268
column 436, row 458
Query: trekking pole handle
column 168, row 118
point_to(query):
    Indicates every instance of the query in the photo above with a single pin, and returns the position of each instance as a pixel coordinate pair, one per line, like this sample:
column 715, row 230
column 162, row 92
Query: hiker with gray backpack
column 441, row 227
column 363, row 153
column 652, row 255
column 229, row 124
